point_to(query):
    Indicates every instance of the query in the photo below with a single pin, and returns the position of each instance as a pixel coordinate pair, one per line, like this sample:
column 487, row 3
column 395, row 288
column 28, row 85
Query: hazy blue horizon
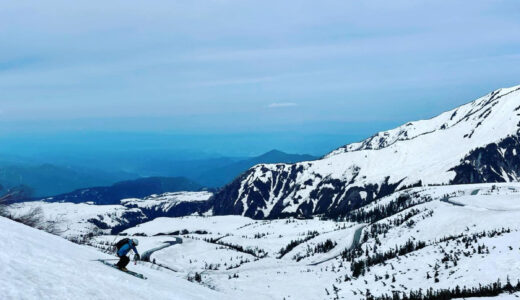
column 238, row 78
column 194, row 145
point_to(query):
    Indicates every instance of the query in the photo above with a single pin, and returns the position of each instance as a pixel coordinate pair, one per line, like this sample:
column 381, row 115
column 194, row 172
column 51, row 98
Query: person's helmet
column 135, row 241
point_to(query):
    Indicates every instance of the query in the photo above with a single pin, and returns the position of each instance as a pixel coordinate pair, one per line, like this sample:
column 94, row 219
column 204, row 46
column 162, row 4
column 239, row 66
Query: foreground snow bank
column 37, row 265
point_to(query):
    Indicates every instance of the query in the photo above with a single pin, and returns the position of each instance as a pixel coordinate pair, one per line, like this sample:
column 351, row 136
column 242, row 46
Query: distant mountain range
column 220, row 176
column 138, row 188
column 210, row 172
column 46, row 180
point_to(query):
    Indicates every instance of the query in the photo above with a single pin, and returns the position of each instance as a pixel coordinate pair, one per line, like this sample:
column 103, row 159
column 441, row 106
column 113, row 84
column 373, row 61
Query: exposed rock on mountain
column 476, row 142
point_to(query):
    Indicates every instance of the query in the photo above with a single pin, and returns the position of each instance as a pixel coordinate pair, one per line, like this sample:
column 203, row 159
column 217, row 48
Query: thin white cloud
column 282, row 104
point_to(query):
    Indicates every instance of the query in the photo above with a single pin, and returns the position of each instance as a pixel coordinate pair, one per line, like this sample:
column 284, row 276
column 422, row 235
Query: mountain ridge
column 138, row 188
column 220, row 176
column 452, row 113
column 46, row 179
column 416, row 153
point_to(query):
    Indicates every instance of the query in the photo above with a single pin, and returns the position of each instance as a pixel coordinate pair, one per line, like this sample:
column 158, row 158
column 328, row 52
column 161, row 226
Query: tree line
column 488, row 290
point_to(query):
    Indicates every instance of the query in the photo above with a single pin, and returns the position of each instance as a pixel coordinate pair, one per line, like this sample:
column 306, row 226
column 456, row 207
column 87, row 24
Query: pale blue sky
column 300, row 69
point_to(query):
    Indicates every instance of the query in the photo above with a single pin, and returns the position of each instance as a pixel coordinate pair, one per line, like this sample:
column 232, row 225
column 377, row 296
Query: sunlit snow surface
column 76, row 219
column 36, row 262
column 487, row 207
column 37, row 265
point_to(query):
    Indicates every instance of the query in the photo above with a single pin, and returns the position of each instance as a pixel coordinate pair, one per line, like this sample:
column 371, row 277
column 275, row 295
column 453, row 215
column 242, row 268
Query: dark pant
column 123, row 261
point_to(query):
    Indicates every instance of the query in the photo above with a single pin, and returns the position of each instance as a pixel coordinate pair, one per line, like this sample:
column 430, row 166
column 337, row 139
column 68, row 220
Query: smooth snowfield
column 37, row 265
column 490, row 202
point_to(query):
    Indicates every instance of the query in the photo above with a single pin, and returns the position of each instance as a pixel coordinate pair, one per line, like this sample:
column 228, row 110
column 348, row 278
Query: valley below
column 419, row 240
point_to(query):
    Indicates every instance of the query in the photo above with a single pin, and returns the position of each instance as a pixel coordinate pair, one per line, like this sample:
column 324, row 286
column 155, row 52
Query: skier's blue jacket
column 126, row 248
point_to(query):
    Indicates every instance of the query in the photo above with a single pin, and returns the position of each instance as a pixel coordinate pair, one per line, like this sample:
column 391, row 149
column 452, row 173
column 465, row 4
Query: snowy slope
column 240, row 258
column 266, row 237
column 219, row 225
column 167, row 200
column 448, row 230
column 171, row 204
column 74, row 220
column 477, row 142
column 429, row 218
column 217, row 259
column 37, row 265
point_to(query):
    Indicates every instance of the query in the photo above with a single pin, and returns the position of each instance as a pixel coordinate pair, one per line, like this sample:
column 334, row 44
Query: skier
column 123, row 247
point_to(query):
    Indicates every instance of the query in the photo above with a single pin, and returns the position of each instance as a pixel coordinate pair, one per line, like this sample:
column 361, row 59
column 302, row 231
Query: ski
column 135, row 274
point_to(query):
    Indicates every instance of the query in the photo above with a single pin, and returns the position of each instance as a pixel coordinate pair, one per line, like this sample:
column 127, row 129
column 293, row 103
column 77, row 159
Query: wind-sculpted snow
column 477, row 142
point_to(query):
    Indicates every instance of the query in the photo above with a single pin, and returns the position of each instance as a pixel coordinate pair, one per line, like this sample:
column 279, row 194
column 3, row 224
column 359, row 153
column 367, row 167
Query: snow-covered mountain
column 75, row 220
column 137, row 188
column 476, row 142
column 220, row 176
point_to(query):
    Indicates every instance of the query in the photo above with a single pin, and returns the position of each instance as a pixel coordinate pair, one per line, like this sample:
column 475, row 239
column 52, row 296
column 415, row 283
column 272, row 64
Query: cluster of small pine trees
column 489, row 290
column 376, row 229
column 404, row 201
column 325, row 246
column 359, row 267
column 256, row 252
column 294, row 243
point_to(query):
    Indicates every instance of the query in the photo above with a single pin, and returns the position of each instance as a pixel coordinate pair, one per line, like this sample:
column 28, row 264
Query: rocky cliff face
column 496, row 162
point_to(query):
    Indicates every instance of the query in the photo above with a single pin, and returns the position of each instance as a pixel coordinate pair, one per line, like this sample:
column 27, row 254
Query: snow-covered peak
column 74, row 220
column 476, row 142
column 484, row 114
column 167, row 200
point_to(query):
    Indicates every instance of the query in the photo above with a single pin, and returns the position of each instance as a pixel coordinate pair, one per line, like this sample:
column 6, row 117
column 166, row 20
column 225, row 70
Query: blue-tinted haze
column 240, row 77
